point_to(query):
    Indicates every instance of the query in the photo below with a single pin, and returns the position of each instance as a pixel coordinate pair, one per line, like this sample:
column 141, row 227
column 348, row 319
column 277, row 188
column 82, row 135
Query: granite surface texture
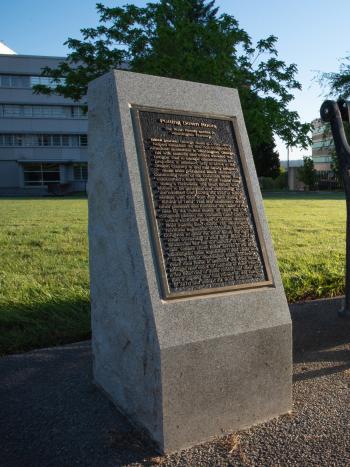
column 152, row 356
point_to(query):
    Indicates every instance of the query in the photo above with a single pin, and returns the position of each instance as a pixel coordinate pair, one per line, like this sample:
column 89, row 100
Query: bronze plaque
column 206, row 235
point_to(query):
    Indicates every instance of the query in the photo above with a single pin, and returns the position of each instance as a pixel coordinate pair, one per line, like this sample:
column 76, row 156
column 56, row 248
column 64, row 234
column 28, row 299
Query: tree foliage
column 338, row 82
column 264, row 152
column 307, row 173
column 189, row 39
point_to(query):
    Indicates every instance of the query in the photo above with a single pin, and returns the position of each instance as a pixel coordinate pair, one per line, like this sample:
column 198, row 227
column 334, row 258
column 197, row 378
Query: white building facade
column 43, row 139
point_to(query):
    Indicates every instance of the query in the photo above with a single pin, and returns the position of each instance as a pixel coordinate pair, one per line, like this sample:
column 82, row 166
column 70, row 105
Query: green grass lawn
column 308, row 233
column 44, row 285
column 44, row 282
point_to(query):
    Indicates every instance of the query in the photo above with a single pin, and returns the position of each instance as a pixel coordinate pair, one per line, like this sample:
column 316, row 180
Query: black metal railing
column 326, row 180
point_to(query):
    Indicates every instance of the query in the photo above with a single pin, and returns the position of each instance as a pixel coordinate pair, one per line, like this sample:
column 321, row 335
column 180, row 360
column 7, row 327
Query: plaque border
column 150, row 207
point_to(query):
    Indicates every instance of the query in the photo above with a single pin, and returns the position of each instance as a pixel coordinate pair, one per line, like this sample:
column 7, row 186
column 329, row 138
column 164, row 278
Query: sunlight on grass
column 44, row 284
column 308, row 233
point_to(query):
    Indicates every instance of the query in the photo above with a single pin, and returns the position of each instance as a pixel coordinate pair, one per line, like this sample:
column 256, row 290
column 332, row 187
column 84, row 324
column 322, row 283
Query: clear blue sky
column 314, row 34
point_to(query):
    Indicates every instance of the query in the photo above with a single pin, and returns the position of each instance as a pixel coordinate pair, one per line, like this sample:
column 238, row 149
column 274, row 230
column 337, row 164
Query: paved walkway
column 52, row 415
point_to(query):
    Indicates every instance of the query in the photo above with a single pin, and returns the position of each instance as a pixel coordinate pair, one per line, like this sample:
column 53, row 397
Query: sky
column 314, row 34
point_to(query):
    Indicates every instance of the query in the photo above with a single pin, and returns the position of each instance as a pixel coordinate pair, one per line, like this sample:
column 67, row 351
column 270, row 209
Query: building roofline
column 31, row 56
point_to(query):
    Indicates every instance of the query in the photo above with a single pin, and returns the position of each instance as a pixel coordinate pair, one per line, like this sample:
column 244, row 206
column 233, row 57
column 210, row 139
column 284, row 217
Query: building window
column 8, row 140
column 80, row 171
column 322, row 159
column 47, row 140
column 26, row 81
column 15, row 81
column 42, row 111
column 64, row 140
column 10, row 111
column 326, row 144
column 74, row 140
column 40, row 174
column 56, row 140
column 5, row 81
column 18, row 140
column 46, row 80
column 83, row 140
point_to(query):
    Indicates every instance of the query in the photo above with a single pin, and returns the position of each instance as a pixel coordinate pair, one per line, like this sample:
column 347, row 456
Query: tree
column 307, row 173
column 266, row 159
column 339, row 86
column 338, row 82
column 335, row 166
column 188, row 39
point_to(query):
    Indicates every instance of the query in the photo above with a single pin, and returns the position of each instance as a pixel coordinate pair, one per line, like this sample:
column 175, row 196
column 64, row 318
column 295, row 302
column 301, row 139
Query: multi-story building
column 322, row 146
column 43, row 139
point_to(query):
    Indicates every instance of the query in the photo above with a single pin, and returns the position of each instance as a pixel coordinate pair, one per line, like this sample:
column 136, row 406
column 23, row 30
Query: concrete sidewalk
column 52, row 415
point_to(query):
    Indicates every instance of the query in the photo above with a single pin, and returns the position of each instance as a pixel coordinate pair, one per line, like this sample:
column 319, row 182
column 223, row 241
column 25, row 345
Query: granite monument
column 190, row 324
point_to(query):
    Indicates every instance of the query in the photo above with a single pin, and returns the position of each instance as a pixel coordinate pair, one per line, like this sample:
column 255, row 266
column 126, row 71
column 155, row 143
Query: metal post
column 334, row 113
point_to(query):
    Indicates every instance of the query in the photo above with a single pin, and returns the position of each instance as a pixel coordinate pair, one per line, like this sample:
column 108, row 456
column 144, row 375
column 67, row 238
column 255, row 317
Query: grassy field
column 44, row 283
column 308, row 233
column 44, row 287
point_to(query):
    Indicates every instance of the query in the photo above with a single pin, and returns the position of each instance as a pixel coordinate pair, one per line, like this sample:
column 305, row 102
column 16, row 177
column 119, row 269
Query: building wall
column 322, row 145
column 9, row 174
column 37, row 130
column 320, row 167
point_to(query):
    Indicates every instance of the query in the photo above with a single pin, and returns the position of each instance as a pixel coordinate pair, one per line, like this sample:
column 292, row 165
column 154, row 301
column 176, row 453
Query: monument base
column 215, row 387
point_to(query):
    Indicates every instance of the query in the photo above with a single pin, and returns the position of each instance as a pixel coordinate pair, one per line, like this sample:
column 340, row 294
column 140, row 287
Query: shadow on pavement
column 317, row 332
column 316, row 325
column 51, row 413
